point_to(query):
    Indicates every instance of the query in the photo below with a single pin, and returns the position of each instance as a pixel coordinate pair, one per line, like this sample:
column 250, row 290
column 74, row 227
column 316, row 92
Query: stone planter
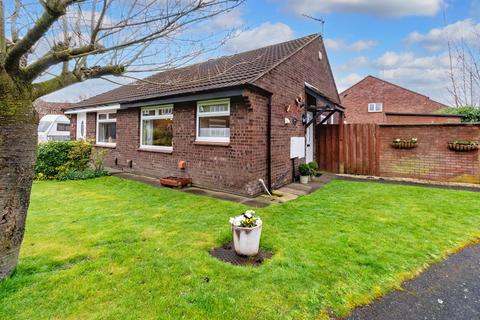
column 304, row 179
column 246, row 241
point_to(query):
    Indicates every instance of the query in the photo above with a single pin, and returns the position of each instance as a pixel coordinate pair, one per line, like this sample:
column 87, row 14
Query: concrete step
column 288, row 190
column 302, row 187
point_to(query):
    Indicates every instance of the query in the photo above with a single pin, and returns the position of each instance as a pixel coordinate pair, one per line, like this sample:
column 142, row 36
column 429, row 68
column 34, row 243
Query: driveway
column 447, row 290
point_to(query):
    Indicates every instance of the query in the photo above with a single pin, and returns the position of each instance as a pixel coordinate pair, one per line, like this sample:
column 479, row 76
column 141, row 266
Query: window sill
column 212, row 143
column 159, row 150
column 104, row 145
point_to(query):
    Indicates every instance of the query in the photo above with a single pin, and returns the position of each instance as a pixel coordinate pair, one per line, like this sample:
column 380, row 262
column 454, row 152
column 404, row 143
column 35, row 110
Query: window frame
column 375, row 105
column 107, row 120
column 157, row 116
column 211, row 114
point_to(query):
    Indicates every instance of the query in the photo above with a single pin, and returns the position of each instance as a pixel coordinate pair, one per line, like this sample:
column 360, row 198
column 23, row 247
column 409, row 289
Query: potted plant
column 404, row 143
column 305, row 172
column 246, row 230
column 463, row 145
column 313, row 169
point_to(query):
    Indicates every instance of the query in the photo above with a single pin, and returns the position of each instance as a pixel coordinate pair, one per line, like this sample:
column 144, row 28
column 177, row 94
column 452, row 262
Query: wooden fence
column 347, row 148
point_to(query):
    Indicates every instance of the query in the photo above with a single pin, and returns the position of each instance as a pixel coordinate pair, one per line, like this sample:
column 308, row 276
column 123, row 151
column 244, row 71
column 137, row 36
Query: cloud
column 427, row 74
column 355, row 64
column 348, row 81
column 229, row 20
column 381, row 8
column 266, row 34
column 357, row 46
column 436, row 39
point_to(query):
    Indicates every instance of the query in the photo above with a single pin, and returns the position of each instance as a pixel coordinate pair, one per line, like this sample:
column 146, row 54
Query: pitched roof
column 229, row 71
column 391, row 84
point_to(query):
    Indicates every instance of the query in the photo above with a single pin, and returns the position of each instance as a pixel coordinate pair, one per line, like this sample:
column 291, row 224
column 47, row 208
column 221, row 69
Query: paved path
column 449, row 290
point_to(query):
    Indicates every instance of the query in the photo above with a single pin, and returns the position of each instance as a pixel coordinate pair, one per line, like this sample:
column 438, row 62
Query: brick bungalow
column 373, row 100
column 233, row 120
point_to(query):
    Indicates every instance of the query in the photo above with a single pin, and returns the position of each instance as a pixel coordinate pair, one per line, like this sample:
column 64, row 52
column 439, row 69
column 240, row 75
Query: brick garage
column 235, row 166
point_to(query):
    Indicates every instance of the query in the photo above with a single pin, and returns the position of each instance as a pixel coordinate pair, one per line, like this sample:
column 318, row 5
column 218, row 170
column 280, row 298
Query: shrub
column 98, row 157
column 313, row 167
column 304, row 169
column 469, row 113
column 50, row 157
column 68, row 160
column 82, row 175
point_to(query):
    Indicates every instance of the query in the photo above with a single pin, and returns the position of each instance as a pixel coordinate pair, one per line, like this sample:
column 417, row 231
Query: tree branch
column 3, row 41
column 67, row 79
column 54, row 9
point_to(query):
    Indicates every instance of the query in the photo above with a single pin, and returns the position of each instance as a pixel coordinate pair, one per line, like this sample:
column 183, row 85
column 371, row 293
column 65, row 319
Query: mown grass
column 114, row 249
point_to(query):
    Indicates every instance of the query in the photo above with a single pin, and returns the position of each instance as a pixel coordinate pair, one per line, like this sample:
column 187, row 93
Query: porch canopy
column 320, row 104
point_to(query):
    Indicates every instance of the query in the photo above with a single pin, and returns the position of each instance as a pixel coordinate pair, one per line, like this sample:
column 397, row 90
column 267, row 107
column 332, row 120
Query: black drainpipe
column 269, row 144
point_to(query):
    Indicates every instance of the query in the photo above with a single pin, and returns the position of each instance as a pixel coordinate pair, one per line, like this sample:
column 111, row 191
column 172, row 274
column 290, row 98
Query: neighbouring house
column 46, row 107
column 226, row 122
column 373, row 100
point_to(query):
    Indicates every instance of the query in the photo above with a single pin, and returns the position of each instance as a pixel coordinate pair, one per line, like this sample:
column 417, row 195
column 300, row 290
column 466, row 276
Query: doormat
column 226, row 253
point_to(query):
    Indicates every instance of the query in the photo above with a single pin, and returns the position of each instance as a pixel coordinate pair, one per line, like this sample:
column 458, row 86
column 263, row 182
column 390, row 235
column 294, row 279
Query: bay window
column 213, row 120
column 107, row 128
column 157, row 127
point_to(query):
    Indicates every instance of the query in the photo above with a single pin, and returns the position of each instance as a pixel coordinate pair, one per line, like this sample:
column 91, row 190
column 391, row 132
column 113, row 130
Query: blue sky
column 403, row 41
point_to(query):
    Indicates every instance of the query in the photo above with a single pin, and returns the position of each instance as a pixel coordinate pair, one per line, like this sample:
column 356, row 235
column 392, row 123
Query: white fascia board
column 94, row 109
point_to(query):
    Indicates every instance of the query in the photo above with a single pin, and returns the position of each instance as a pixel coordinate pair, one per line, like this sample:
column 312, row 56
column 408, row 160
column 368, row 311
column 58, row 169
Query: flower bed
column 404, row 143
column 463, row 145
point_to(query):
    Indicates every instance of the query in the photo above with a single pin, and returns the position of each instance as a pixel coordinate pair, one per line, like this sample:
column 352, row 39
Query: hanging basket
column 463, row 146
column 404, row 144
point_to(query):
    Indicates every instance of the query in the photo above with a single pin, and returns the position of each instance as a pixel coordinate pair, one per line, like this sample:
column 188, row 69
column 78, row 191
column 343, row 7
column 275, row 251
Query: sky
column 402, row 41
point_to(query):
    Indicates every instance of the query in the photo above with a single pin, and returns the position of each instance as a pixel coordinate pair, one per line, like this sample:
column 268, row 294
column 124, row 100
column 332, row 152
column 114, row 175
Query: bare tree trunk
column 18, row 140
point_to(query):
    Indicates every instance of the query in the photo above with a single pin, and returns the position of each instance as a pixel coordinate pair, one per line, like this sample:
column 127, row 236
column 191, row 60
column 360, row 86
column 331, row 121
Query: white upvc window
column 107, row 128
column 156, row 127
column 375, row 107
column 213, row 120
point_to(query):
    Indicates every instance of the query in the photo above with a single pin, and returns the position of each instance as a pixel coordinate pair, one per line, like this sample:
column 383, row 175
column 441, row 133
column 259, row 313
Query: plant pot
column 304, row 179
column 404, row 145
column 175, row 182
column 246, row 241
column 462, row 147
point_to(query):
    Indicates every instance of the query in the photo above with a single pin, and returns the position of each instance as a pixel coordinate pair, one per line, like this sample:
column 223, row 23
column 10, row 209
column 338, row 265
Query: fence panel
column 347, row 148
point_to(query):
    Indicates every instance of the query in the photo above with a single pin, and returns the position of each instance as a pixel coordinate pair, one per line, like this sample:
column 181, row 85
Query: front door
column 309, row 139
column 81, row 126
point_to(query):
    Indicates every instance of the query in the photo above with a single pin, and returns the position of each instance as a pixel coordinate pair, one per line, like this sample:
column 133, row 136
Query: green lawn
column 114, row 249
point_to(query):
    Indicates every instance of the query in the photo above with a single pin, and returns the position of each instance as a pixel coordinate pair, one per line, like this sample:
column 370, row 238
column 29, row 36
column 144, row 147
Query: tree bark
column 18, row 141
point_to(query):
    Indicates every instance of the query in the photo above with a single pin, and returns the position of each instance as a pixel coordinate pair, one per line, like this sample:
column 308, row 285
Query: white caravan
column 54, row 127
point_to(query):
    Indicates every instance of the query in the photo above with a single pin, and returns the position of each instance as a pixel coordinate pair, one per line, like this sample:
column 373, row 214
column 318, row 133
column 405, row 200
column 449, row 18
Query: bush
column 469, row 113
column 50, row 157
column 304, row 169
column 313, row 168
column 70, row 160
column 82, row 175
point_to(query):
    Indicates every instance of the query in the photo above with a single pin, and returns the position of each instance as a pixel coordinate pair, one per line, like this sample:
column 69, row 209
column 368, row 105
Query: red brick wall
column 431, row 159
column 412, row 119
column 287, row 82
column 233, row 168
column 394, row 99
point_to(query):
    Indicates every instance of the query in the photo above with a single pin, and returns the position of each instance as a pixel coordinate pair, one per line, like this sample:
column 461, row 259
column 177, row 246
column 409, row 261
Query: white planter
column 246, row 241
column 304, row 179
